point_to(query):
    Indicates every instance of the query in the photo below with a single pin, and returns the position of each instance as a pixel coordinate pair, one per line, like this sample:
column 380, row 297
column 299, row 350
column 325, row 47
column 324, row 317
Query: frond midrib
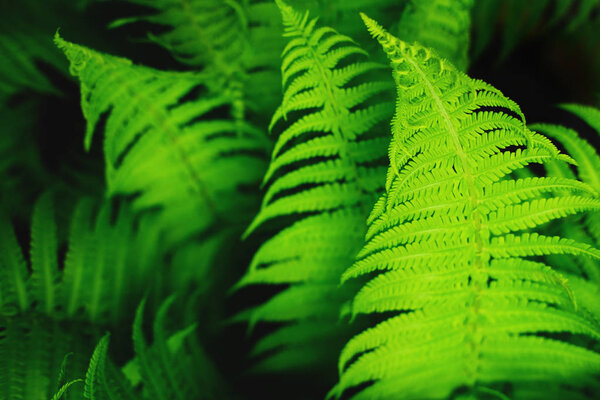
column 480, row 261
column 338, row 110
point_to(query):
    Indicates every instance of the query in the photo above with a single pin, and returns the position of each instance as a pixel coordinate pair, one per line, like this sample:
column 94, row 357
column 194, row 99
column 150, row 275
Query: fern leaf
column 440, row 24
column 588, row 165
column 161, row 141
column 203, row 32
column 167, row 369
column 44, row 254
column 102, row 379
column 324, row 173
column 14, row 270
column 234, row 41
column 95, row 368
column 471, row 309
column 24, row 41
column 32, row 353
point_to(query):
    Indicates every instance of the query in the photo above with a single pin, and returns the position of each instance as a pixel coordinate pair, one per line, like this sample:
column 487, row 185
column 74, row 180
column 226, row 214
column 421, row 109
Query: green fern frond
column 32, row 350
column 203, row 33
column 588, row 167
column 235, row 41
column 101, row 279
column 63, row 389
column 342, row 14
column 443, row 25
column 14, row 273
column 588, row 160
column 325, row 174
column 474, row 307
column 168, row 140
column 98, row 383
column 44, row 254
column 169, row 369
column 103, row 380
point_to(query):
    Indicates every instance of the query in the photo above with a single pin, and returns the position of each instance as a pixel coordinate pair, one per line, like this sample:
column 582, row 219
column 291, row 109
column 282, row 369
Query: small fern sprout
column 453, row 251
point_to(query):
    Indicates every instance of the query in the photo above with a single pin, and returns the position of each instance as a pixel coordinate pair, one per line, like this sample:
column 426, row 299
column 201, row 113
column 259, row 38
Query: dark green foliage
column 172, row 367
column 102, row 273
column 516, row 19
column 188, row 199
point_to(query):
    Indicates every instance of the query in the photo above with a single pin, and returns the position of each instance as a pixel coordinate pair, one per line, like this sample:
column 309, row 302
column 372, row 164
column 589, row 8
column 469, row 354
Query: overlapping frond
column 28, row 54
column 324, row 174
column 342, row 14
column 454, row 246
column 443, row 25
column 238, row 42
column 588, row 171
column 21, row 47
column 171, row 142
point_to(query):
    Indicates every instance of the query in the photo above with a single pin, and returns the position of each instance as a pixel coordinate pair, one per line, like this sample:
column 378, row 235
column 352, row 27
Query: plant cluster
column 230, row 199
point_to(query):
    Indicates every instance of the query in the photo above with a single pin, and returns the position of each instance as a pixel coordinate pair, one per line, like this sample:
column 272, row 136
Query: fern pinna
column 324, row 174
column 454, row 247
column 170, row 143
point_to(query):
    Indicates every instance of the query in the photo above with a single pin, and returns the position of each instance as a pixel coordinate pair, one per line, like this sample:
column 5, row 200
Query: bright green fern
column 324, row 174
column 455, row 252
column 170, row 142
